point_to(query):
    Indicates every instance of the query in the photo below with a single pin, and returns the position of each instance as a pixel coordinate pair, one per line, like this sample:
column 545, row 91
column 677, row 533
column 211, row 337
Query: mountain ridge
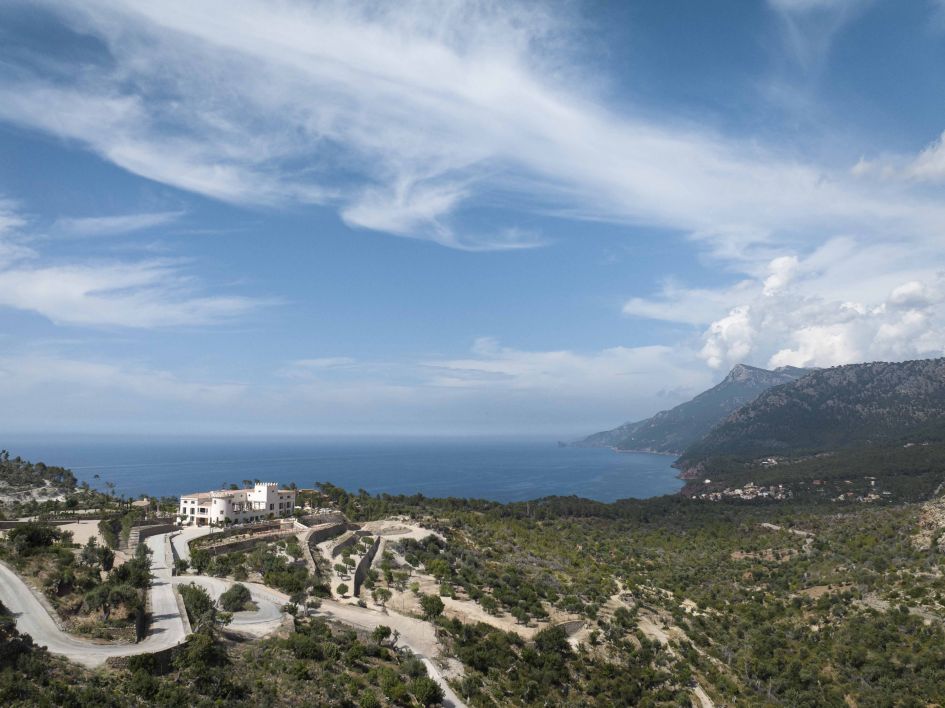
column 874, row 403
column 672, row 431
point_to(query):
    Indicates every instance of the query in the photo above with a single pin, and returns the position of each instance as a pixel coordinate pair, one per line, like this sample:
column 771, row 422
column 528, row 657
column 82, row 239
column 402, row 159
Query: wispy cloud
column 114, row 224
column 407, row 116
column 330, row 362
column 929, row 165
column 563, row 373
column 153, row 293
column 87, row 291
column 11, row 221
column 811, row 25
column 479, row 392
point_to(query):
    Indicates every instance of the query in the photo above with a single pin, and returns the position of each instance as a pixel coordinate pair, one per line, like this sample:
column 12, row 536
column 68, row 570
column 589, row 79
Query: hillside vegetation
column 845, row 406
column 21, row 478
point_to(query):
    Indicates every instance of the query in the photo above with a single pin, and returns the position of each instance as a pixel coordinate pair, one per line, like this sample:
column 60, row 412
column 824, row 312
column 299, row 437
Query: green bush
column 236, row 598
column 426, row 691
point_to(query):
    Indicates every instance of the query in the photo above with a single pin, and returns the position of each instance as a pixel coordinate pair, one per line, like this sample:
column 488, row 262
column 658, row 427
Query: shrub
column 426, row 691
column 200, row 560
column 200, row 609
column 236, row 598
column 32, row 536
column 432, row 606
column 369, row 699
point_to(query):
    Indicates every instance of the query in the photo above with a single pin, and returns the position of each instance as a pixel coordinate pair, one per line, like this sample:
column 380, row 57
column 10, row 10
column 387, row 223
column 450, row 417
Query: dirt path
column 651, row 625
column 417, row 635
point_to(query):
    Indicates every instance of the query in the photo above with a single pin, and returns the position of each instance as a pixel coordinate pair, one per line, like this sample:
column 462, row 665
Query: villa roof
column 197, row 495
column 218, row 493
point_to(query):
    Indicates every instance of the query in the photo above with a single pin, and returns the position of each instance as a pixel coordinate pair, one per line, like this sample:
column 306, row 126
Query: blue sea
column 500, row 470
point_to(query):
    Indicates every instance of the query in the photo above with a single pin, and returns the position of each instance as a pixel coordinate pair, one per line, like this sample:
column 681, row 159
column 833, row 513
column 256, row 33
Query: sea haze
column 500, row 470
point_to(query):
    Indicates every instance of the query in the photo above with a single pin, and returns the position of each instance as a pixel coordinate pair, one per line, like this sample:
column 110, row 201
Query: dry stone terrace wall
column 238, row 530
column 349, row 541
column 163, row 660
column 312, row 520
column 328, row 531
column 244, row 543
column 571, row 626
column 142, row 529
column 364, row 565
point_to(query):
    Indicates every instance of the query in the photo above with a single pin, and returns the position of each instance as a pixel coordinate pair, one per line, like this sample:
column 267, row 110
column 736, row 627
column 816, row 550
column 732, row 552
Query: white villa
column 237, row 506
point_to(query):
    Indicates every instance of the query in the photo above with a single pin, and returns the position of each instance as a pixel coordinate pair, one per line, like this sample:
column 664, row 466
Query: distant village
column 779, row 492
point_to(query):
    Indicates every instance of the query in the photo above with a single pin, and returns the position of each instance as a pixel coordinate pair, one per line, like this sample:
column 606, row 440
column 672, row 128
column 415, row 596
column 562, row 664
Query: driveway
column 181, row 539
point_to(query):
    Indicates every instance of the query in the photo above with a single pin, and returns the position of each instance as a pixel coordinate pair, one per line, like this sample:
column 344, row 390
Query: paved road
column 182, row 538
column 32, row 618
column 264, row 619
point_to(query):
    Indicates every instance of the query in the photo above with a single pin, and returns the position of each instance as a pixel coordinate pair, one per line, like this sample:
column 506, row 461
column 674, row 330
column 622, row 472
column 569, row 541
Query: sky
column 448, row 217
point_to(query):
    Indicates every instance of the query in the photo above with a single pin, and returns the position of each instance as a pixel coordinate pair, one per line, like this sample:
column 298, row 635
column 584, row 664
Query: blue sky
column 456, row 217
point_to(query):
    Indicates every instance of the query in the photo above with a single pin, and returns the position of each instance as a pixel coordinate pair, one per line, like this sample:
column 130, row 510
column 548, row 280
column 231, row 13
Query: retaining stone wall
column 364, row 565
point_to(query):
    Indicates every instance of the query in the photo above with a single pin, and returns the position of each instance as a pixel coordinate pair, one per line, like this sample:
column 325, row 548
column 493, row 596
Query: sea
column 496, row 469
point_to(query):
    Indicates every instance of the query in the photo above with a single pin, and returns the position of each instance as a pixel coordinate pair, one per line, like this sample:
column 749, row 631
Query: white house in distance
column 240, row 506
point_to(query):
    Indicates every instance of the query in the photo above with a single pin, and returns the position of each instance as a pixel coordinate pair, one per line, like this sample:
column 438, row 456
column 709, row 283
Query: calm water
column 499, row 470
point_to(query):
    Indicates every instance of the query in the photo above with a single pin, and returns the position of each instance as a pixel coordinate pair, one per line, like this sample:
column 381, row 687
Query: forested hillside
column 831, row 409
column 18, row 475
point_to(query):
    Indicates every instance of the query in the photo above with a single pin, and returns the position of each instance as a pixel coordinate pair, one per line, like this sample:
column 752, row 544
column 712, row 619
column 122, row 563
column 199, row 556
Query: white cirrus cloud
column 95, row 292
column 929, row 165
column 12, row 247
column 114, row 224
column 406, row 116
column 811, row 25
column 154, row 293
column 492, row 388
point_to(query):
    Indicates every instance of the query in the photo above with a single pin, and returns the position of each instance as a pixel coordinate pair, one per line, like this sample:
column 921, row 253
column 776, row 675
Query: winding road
column 264, row 619
column 33, row 616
